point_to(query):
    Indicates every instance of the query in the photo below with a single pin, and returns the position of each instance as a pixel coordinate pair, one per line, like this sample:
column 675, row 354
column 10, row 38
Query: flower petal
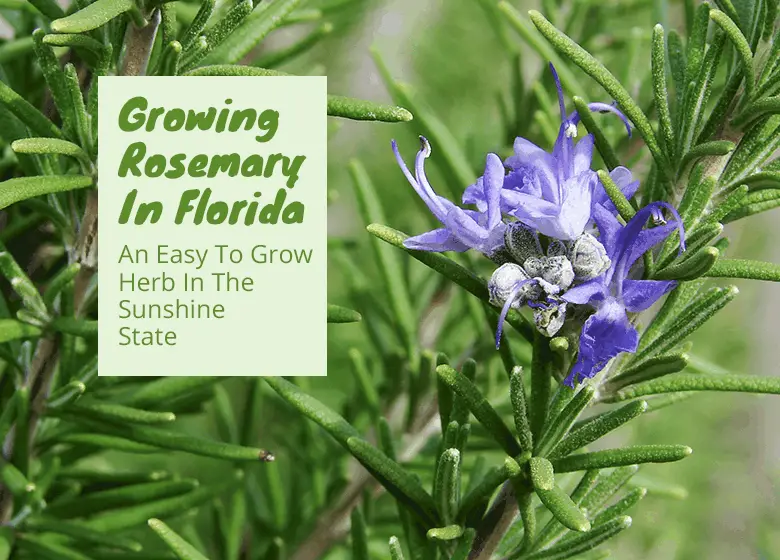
column 583, row 155
column 638, row 295
column 647, row 239
column 575, row 210
column 586, row 292
column 493, row 182
column 609, row 226
column 528, row 206
column 423, row 189
column 437, row 240
column 475, row 194
column 606, row 108
column 533, row 160
column 605, row 334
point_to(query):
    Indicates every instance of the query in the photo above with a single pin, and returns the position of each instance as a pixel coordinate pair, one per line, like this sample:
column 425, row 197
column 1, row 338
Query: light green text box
column 263, row 150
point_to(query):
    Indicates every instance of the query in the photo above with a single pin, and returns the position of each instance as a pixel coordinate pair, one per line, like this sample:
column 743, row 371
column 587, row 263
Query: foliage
column 473, row 446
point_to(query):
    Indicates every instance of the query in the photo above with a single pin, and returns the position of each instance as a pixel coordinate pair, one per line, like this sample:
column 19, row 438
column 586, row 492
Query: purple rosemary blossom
column 609, row 332
column 482, row 230
column 554, row 193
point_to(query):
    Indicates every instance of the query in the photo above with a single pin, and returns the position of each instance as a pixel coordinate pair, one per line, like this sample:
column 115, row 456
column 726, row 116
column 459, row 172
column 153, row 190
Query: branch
column 140, row 41
column 495, row 524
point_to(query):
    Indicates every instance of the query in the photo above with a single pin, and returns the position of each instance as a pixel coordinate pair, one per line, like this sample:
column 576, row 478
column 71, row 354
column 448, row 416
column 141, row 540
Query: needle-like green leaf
column 161, row 391
column 92, row 16
column 616, row 196
column 563, row 421
column 181, row 548
column 564, row 509
column 338, row 105
column 699, row 382
column 651, row 369
column 177, row 441
column 742, row 268
column 691, row 268
column 758, row 144
column 22, row 284
column 631, row 455
column 365, row 383
column 597, row 427
column 542, row 474
column 313, row 409
column 444, row 534
column 11, row 329
column 660, row 92
column 118, row 498
column 359, row 535
column 480, row 408
column 65, row 395
column 86, row 328
column 574, row 546
column 754, row 203
column 396, row 552
column 77, row 40
column 22, row 188
column 132, row 516
column 59, row 282
column 219, row 32
column 599, row 138
column 742, row 46
column 118, row 413
column 620, row 507
column 711, row 148
column 760, row 108
column 81, row 534
column 29, row 115
column 520, row 408
column 198, row 23
column 338, row 314
column 356, row 109
column 39, row 547
column 7, row 539
column 253, row 29
column 49, row 8
column 728, row 205
column 446, row 489
column 14, row 480
column 403, row 485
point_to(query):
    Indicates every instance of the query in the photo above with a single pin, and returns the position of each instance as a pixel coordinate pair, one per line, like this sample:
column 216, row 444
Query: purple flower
column 554, row 193
column 609, row 332
column 482, row 230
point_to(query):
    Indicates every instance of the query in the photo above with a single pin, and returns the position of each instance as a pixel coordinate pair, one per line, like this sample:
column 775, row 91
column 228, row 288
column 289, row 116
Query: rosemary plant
column 456, row 437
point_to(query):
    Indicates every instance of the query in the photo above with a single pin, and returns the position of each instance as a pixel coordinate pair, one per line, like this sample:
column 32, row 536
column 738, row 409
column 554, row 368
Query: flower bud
column 521, row 242
column 556, row 271
column 505, row 280
column 557, row 248
column 549, row 320
column 588, row 257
